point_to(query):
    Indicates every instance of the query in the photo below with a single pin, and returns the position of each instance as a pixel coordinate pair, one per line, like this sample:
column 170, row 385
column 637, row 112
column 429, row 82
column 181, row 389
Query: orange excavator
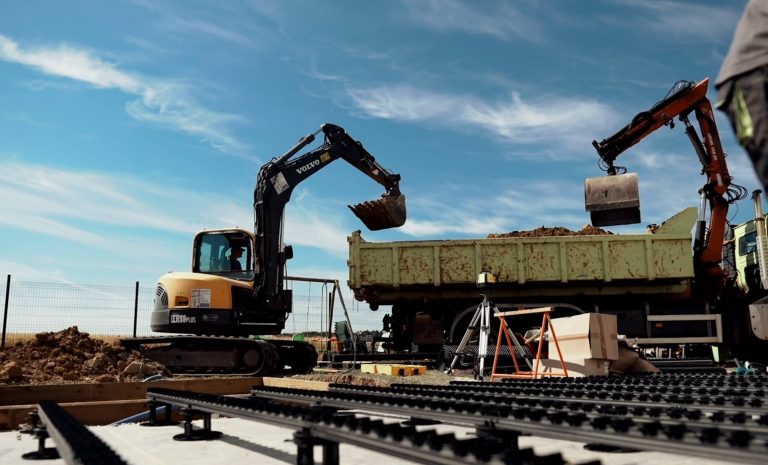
column 614, row 199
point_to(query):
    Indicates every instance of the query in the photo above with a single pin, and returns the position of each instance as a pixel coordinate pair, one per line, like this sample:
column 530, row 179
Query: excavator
column 614, row 199
column 236, row 287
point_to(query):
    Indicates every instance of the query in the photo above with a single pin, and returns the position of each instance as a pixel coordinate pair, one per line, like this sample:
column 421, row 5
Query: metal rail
column 75, row 444
column 329, row 425
column 756, row 405
column 696, row 437
column 729, row 386
column 667, row 379
column 670, row 410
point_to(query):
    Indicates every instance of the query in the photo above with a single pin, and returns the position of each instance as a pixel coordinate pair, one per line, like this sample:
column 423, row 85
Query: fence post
column 135, row 308
column 5, row 309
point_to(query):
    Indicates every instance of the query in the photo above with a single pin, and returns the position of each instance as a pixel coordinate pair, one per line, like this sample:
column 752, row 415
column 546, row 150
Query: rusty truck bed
column 639, row 263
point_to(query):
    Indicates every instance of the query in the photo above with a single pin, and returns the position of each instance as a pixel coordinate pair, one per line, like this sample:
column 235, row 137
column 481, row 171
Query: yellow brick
column 392, row 369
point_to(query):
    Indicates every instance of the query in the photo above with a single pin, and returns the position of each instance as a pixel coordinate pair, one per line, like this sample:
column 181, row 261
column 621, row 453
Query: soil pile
column 587, row 230
column 71, row 356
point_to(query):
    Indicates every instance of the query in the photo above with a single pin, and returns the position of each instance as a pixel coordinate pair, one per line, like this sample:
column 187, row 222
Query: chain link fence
column 123, row 311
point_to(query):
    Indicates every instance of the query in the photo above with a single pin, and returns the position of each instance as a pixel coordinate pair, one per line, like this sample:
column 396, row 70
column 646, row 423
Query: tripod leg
column 465, row 340
column 484, row 331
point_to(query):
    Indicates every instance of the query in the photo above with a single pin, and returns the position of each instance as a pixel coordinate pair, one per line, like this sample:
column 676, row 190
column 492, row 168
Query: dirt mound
column 587, row 230
column 71, row 356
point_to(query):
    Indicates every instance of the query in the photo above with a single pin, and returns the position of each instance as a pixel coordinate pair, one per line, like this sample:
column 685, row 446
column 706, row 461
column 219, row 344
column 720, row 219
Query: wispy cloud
column 529, row 204
column 61, row 203
column 669, row 182
column 165, row 102
column 695, row 20
column 21, row 271
column 504, row 21
column 310, row 223
column 235, row 23
column 209, row 29
column 511, row 118
column 463, row 223
column 79, row 206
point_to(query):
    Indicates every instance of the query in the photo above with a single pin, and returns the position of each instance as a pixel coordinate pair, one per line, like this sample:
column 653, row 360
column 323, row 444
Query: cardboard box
column 586, row 367
column 587, row 336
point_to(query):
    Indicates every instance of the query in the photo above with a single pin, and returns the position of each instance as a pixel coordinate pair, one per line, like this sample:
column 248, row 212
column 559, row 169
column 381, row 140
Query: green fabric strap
column 744, row 127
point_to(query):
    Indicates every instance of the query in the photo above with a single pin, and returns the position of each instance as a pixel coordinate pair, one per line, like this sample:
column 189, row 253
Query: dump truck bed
column 647, row 263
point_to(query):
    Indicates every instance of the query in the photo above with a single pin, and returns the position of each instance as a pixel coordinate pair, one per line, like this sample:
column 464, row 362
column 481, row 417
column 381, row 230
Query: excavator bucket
column 612, row 200
column 386, row 212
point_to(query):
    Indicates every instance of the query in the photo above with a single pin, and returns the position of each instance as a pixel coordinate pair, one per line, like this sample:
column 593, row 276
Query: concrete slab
column 252, row 442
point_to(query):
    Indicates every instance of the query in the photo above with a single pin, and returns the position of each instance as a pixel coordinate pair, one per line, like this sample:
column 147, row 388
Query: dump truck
column 647, row 280
column 668, row 287
column 431, row 285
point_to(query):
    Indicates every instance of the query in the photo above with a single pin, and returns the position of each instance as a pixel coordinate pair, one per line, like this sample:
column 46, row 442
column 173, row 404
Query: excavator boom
column 276, row 182
column 614, row 199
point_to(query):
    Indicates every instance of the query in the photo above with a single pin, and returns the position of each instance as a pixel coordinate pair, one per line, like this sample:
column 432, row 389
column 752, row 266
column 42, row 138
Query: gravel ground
column 357, row 378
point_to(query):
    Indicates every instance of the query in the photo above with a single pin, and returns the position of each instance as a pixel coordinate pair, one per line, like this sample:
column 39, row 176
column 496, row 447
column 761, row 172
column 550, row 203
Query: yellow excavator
column 236, row 286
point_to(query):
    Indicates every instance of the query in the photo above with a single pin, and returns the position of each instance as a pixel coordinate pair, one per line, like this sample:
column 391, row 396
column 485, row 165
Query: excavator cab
column 612, row 200
column 225, row 252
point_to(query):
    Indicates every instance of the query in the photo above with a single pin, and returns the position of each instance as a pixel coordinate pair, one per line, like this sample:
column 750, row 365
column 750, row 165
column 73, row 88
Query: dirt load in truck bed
column 70, row 356
column 543, row 231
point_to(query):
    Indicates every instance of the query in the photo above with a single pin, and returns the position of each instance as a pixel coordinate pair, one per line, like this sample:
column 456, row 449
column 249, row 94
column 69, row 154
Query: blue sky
column 127, row 126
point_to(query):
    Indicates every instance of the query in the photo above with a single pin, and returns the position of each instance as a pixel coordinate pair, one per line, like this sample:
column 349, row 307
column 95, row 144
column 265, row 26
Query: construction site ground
column 251, row 442
column 100, row 383
column 246, row 441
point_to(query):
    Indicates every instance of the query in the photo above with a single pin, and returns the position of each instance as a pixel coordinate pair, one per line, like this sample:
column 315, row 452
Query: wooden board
column 296, row 384
column 105, row 403
column 31, row 394
column 393, row 370
column 87, row 413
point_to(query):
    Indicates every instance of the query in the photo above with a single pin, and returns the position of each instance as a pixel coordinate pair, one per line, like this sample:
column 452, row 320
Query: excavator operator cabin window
column 226, row 254
column 210, row 252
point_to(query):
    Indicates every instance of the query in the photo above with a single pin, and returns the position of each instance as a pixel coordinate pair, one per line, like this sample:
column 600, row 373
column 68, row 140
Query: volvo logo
column 307, row 167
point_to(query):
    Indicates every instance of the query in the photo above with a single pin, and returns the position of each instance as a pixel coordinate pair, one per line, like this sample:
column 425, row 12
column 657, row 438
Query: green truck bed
column 601, row 264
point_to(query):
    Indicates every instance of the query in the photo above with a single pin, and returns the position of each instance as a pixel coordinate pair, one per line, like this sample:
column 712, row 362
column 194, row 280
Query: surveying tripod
column 482, row 319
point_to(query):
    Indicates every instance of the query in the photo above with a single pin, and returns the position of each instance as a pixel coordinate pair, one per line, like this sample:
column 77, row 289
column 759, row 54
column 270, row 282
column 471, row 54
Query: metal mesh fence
column 102, row 310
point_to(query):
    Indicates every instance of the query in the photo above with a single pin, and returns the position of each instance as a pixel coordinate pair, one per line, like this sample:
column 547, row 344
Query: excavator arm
column 686, row 97
column 275, row 184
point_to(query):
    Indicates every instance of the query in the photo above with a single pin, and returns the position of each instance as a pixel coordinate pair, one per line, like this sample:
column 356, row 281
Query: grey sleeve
column 749, row 49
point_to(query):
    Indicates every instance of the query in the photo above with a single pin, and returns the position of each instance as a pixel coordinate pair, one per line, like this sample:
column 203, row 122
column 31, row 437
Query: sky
column 127, row 126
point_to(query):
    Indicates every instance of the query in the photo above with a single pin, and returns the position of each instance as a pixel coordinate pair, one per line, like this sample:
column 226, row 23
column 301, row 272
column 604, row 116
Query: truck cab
column 747, row 261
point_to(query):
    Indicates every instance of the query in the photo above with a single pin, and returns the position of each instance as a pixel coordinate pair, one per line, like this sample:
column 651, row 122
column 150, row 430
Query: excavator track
column 216, row 355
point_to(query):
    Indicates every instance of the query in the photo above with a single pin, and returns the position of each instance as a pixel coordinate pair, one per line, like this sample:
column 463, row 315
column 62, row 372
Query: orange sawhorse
column 504, row 330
